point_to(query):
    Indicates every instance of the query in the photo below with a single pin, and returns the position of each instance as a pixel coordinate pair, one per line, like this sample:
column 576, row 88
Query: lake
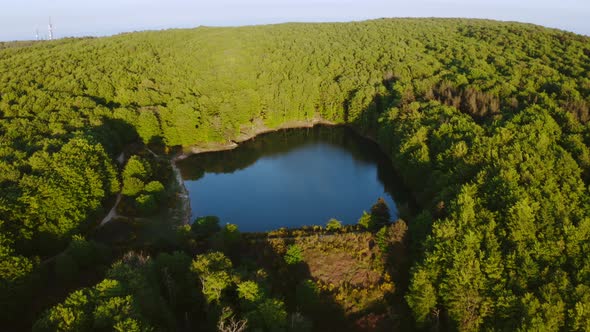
column 291, row 178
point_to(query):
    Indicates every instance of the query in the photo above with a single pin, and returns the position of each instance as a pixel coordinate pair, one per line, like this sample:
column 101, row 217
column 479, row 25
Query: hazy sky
column 20, row 18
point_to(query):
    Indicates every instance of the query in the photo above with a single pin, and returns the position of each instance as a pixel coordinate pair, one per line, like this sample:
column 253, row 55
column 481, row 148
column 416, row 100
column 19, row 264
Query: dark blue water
column 292, row 178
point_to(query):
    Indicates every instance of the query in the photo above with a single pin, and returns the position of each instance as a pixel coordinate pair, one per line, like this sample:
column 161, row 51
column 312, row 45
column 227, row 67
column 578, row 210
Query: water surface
column 292, row 178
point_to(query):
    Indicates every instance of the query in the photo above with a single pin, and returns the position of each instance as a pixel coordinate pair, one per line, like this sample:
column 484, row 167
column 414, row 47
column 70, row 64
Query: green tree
column 148, row 126
column 270, row 315
column 422, row 297
column 214, row 271
column 250, row 292
column 366, row 221
column 146, row 204
column 380, row 213
column 137, row 167
column 132, row 186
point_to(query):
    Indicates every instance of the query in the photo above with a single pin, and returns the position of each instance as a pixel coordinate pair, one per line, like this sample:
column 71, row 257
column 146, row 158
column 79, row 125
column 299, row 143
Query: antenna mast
column 50, row 29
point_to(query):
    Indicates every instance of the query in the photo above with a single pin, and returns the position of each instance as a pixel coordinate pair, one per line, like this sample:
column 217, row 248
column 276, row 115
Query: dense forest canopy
column 487, row 122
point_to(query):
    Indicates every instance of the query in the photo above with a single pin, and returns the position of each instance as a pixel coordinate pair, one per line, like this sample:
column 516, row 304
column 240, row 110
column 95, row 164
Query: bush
column 146, row 204
column 381, row 239
column 132, row 186
column 231, row 234
column 156, row 188
column 228, row 239
column 250, row 291
column 136, row 167
column 82, row 251
column 366, row 221
column 333, row 225
column 206, row 226
column 293, row 255
column 307, row 296
column 269, row 316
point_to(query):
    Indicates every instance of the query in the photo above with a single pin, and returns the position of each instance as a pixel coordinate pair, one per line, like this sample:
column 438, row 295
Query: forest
column 486, row 121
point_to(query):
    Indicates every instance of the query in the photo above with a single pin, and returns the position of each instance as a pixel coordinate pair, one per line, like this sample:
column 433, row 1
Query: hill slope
column 486, row 120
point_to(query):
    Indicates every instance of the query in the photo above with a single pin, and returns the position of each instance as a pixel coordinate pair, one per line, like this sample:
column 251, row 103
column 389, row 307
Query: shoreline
column 251, row 133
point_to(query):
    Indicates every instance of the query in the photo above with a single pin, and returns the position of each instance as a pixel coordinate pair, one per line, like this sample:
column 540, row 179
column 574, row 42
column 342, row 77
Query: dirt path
column 113, row 213
column 185, row 209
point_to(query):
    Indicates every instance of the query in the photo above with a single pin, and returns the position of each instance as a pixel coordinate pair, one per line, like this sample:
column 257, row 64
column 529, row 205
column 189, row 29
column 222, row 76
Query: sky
column 19, row 19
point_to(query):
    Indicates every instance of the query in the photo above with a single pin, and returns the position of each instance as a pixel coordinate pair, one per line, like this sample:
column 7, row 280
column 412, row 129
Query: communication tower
column 50, row 27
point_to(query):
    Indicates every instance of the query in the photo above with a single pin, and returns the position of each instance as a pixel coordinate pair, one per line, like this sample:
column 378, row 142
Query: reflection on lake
column 292, row 178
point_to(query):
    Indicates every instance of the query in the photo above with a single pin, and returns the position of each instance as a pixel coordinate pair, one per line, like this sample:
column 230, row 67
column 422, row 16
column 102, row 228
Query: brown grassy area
column 359, row 280
column 349, row 269
column 342, row 259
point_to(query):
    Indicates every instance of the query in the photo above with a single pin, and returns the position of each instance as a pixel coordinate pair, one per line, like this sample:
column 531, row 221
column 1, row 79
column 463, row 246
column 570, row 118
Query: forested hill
column 487, row 122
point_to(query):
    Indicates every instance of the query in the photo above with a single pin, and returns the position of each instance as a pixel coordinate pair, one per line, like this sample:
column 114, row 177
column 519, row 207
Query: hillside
column 486, row 121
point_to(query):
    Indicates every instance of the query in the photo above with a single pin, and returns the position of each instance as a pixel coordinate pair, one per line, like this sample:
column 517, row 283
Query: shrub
column 382, row 240
column 206, row 226
column 333, row 225
column 155, row 188
column 228, row 239
column 270, row 315
column 250, row 291
column 146, row 204
column 366, row 221
column 132, row 186
column 293, row 255
column 82, row 251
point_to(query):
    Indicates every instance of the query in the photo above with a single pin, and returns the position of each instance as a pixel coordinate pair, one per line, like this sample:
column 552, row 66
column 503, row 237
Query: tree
column 146, row 204
column 250, row 292
column 228, row 322
column 148, row 126
column 72, row 315
column 422, row 297
column 380, row 213
column 155, row 188
column 214, row 271
column 228, row 240
column 132, row 186
column 270, row 315
column 85, row 253
column 366, row 221
column 137, row 167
